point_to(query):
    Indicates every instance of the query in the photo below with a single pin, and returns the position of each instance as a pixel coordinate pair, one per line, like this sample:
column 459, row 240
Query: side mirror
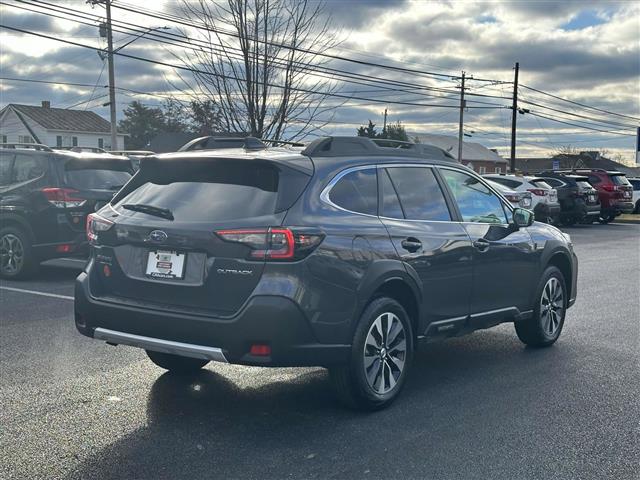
column 523, row 217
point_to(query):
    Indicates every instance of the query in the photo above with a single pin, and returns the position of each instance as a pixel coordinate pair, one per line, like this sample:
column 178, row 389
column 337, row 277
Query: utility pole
column 460, row 130
column 384, row 123
column 112, row 80
column 514, row 115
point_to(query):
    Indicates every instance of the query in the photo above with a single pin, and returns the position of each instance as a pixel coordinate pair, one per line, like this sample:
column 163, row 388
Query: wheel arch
column 10, row 220
column 561, row 261
column 390, row 278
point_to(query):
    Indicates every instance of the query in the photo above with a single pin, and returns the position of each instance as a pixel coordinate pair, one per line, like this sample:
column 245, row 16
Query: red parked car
column 614, row 190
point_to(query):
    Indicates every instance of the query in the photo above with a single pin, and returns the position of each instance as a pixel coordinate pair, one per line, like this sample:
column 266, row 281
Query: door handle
column 482, row 244
column 411, row 244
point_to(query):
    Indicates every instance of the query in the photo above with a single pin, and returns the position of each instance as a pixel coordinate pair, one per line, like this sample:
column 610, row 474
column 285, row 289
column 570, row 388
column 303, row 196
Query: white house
column 474, row 155
column 55, row 127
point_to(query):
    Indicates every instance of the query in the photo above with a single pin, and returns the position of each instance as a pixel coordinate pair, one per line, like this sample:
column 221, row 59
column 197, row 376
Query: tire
column 378, row 367
column 176, row 363
column 637, row 209
column 17, row 259
column 545, row 325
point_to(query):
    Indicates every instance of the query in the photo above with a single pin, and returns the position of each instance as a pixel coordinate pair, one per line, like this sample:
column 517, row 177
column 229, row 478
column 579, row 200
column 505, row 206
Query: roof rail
column 211, row 142
column 341, row 146
column 284, row 142
column 78, row 149
column 34, row 146
column 578, row 170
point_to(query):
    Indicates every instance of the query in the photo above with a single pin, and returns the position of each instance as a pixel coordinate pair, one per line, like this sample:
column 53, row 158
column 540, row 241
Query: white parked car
column 635, row 182
column 544, row 198
column 517, row 199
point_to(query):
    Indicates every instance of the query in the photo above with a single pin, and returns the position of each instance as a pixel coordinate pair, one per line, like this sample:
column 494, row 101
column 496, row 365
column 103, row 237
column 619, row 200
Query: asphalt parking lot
column 481, row 406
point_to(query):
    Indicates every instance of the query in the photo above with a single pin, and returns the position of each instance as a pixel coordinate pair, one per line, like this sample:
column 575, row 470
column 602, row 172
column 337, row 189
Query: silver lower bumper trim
column 160, row 345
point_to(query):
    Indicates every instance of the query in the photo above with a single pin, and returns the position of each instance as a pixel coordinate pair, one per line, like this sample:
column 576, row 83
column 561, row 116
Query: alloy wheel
column 385, row 353
column 552, row 306
column 11, row 254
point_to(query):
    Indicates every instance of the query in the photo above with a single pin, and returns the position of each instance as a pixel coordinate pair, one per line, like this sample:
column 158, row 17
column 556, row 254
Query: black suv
column 579, row 201
column 346, row 254
column 45, row 196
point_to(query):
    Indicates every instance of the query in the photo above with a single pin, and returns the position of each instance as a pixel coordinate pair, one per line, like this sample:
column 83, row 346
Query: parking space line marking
column 35, row 292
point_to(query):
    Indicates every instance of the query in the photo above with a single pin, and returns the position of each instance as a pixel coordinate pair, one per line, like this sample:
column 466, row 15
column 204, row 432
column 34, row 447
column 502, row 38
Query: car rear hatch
column 193, row 235
column 543, row 190
column 585, row 191
column 89, row 181
column 622, row 187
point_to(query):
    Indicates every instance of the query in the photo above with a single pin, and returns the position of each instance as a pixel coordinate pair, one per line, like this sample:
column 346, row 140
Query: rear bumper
column 619, row 208
column 271, row 320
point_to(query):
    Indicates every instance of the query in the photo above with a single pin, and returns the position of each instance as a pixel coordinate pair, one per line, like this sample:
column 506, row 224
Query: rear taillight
column 512, row 197
column 95, row 225
column 273, row 243
column 540, row 192
column 63, row 197
column 611, row 188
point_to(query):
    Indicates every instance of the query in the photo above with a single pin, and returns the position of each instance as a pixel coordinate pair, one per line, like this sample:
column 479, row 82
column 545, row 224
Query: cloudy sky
column 584, row 51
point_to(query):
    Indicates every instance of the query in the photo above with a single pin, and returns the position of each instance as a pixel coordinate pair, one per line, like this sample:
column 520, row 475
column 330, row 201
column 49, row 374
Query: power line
column 578, row 103
column 194, row 70
column 555, row 119
column 348, row 77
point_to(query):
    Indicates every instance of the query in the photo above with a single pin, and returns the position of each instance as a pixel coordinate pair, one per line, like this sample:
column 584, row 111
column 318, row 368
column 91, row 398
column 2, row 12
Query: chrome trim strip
column 160, row 345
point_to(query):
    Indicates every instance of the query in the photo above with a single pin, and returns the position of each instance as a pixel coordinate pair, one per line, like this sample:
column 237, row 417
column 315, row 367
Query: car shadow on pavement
column 206, row 425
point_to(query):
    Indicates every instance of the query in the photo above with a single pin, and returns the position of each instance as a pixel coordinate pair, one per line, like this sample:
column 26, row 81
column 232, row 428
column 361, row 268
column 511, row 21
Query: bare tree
column 569, row 157
column 257, row 60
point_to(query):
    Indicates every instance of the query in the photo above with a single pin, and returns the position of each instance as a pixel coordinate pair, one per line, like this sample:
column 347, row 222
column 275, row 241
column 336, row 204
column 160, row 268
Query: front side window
column 420, row 195
column 357, row 191
column 475, row 201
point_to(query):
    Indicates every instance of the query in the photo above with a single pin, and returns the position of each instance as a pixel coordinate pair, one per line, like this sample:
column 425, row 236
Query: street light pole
column 112, row 80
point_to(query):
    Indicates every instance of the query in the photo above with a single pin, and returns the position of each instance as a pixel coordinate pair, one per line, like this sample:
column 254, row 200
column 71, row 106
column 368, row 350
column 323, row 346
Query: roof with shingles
column 64, row 119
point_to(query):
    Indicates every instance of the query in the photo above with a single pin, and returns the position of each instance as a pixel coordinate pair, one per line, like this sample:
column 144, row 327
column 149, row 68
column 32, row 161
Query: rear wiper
column 149, row 210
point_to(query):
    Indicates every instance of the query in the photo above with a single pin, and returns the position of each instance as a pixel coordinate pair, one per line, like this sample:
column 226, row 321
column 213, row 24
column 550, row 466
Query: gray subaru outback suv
column 348, row 254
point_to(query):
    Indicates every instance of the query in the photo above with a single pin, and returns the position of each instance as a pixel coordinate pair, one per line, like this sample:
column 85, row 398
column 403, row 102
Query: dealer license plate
column 166, row 264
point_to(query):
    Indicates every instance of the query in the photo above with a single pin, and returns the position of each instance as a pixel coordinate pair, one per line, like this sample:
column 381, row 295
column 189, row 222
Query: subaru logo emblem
column 158, row 236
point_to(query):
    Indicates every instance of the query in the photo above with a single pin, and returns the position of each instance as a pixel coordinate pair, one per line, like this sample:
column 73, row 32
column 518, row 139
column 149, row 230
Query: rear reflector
column 274, row 243
column 260, row 350
column 63, row 197
column 540, row 192
column 66, row 248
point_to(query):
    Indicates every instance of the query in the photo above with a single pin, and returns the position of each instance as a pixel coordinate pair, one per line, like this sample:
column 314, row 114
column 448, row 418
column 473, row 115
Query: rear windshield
column 96, row 179
column 218, row 191
column 541, row 184
column 619, row 180
column 584, row 184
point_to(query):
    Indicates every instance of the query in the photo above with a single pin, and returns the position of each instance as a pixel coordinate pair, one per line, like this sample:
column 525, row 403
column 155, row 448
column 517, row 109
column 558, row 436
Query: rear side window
column 5, row 168
column 28, row 167
column 541, row 184
column 593, row 179
column 220, row 190
column 553, row 182
column 357, row 191
column 96, row 179
column 619, row 180
column 507, row 182
column 420, row 195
